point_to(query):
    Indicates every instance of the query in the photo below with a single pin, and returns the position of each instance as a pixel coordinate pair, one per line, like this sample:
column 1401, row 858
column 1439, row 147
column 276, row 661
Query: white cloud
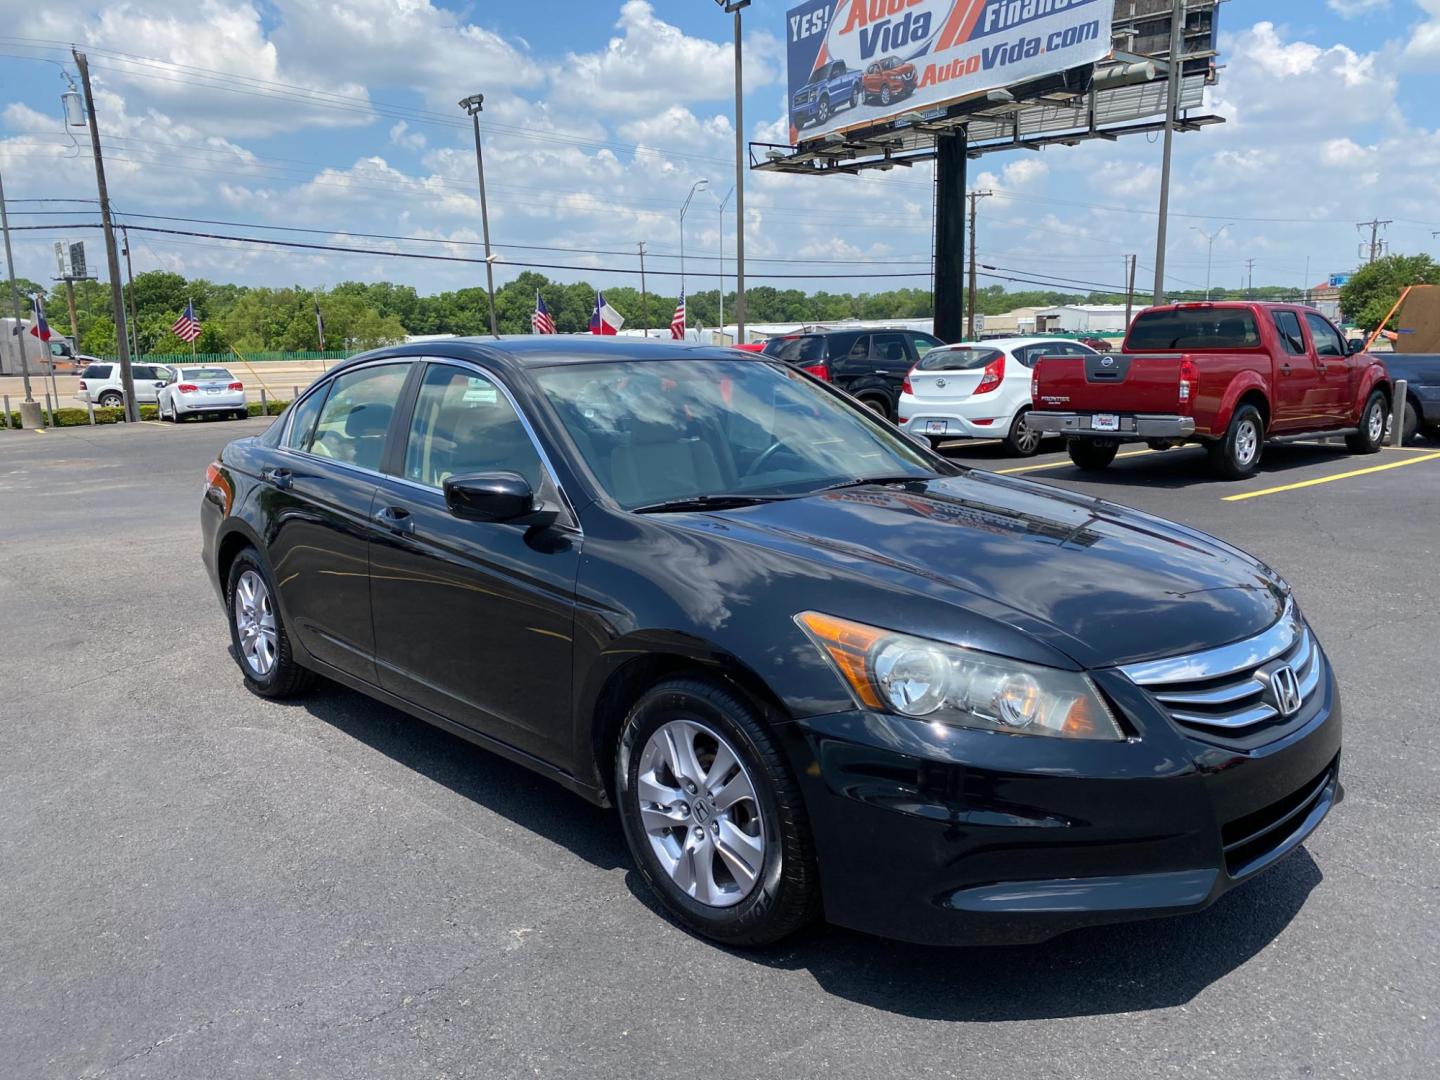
column 1351, row 9
column 402, row 136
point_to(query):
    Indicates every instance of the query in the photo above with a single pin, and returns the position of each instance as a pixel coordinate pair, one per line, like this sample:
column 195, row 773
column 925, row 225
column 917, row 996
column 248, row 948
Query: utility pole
column 1376, row 244
column 723, row 203
column 473, row 106
column 644, row 296
column 1130, row 289
column 1172, row 102
column 130, row 276
column 112, row 254
column 1249, row 279
column 974, row 197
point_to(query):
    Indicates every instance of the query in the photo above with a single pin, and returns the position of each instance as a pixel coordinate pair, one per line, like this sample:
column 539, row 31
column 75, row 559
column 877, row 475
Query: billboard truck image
column 854, row 63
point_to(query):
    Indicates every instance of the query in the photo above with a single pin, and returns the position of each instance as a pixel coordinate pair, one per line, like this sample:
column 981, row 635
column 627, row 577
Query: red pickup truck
column 1228, row 375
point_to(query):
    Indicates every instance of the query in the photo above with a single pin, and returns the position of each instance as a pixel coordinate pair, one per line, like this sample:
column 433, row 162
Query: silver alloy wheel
column 1026, row 439
column 700, row 813
column 1247, row 442
column 255, row 622
column 1375, row 423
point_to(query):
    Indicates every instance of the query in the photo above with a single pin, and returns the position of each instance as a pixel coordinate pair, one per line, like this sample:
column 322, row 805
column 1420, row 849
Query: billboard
column 854, row 63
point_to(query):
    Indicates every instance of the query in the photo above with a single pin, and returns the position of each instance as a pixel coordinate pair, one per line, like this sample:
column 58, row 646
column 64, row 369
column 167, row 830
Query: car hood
column 1101, row 583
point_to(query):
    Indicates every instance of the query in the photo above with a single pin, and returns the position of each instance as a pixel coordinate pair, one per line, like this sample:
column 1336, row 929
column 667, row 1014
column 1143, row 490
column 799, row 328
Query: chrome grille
column 1232, row 693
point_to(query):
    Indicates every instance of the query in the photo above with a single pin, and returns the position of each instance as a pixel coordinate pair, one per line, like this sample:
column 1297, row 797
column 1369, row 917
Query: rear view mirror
column 494, row 497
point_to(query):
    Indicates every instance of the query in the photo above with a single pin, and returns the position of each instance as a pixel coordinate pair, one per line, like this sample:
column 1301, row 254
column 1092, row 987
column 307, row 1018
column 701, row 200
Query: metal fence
column 171, row 359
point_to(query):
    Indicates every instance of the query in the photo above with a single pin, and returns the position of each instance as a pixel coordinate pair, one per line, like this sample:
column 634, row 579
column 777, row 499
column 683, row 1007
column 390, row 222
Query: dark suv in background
column 870, row 365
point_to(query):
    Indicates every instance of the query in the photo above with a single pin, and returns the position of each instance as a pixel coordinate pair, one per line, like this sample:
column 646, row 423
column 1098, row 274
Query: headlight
column 952, row 685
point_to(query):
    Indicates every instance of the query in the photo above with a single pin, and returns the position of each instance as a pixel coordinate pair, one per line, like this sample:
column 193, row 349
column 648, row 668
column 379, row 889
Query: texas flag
column 41, row 329
column 605, row 319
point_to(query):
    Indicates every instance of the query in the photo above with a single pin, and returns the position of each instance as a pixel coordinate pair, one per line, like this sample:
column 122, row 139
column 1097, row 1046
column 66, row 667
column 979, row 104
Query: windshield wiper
column 707, row 502
column 861, row 481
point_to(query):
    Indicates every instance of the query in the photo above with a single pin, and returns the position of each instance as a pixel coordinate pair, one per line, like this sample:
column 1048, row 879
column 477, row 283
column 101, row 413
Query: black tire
column 1371, row 436
column 1237, row 455
column 786, row 894
column 1412, row 423
column 1091, row 454
column 110, row 400
column 877, row 405
column 1020, row 441
column 286, row 678
column 855, row 98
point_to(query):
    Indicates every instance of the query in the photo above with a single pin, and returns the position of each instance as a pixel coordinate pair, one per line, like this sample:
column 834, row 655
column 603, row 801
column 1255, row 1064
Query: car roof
column 549, row 350
column 1008, row 343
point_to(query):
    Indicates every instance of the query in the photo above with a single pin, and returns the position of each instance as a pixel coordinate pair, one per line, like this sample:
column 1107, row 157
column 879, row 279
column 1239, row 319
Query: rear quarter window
column 1204, row 328
column 96, row 371
column 798, row 350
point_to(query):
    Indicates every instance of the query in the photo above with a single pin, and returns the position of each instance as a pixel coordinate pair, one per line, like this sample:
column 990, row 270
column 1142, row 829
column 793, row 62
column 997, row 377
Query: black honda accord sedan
column 818, row 669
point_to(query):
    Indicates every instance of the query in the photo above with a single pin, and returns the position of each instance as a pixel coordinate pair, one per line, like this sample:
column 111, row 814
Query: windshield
column 957, row 359
column 658, row 431
column 205, row 373
column 1194, row 328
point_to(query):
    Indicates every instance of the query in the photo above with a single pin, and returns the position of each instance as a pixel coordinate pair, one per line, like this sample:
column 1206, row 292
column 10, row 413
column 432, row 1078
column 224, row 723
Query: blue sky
column 342, row 118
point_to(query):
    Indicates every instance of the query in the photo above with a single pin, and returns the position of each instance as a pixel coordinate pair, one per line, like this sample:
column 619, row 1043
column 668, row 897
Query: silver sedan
column 197, row 390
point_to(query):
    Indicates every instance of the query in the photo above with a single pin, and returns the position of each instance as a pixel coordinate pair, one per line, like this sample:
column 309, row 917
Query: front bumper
column 950, row 836
column 1131, row 425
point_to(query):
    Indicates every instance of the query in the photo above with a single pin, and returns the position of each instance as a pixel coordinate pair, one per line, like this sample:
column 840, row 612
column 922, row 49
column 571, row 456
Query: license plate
column 1105, row 422
column 212, row 390
column 936, row 427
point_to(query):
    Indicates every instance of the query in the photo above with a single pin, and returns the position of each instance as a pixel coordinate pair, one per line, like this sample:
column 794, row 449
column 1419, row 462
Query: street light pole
column 473, row 105
column 723, row 202
column 30, row 416
column 112, row 253
column 736, row 6
column 699, row 185
column 1210, row 239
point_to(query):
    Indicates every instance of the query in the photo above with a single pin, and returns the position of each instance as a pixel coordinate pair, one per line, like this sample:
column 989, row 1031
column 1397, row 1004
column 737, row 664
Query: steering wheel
column 764, row 458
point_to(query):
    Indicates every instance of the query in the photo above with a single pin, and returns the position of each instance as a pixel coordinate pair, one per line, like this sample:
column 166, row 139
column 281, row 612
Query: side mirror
column 1355, row 345
column 495, row 497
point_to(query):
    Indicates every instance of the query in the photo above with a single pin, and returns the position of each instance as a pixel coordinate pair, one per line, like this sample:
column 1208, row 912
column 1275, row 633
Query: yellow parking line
column 1067, row 461
column 1328, row 479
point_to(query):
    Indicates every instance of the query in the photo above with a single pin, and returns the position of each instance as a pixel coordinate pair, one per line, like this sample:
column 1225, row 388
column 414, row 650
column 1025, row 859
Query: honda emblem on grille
column 1286, row 685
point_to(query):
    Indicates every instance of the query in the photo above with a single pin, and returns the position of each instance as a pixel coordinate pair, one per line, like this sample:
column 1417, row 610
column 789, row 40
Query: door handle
column 1284, row 369
column 395, row 518
column 881, row 371
column 280, row 477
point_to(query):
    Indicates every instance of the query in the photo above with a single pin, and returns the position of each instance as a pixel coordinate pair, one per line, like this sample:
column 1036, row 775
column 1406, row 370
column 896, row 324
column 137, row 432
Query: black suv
column 870, row 365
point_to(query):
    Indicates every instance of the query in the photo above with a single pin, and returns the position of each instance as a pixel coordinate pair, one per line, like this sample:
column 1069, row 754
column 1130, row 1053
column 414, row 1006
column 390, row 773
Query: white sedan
column 978, row 390
column 207, row 389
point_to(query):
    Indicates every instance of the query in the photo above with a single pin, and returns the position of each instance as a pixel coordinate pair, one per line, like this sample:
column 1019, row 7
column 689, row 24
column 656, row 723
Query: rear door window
column 1195, row 328
column 888, row 352
column 1287, row 323
column 357, row 413
column 851, row 353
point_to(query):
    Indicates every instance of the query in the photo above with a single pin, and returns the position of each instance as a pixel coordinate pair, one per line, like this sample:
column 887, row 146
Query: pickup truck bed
column 1227, row 375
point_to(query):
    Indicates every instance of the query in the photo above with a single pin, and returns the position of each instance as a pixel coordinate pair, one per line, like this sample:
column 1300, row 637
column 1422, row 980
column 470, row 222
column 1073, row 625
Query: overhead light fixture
column 834, row 138
column 775, row 155
column 1000, row 96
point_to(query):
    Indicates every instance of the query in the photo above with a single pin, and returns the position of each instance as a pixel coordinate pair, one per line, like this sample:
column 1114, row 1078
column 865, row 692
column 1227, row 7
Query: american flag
column 541, row 322
column 677, row 321
column 187, row 326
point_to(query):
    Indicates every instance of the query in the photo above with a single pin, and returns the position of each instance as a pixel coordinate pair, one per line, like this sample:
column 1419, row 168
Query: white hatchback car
column 978, row 390
column 202, row 389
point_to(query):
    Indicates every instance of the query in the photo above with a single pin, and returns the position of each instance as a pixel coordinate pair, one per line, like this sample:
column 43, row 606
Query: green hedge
column 73, row 417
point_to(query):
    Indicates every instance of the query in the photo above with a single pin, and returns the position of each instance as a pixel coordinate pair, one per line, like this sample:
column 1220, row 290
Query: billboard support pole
column 1172, row 101
column 950, row 164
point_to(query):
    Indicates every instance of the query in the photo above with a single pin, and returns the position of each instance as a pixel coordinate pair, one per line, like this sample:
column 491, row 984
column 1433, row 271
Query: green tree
column 1373, row 289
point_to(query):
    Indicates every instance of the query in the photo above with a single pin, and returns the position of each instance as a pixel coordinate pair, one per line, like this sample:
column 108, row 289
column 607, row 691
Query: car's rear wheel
column 1237, row 455
column 1371, row 436
column 877, row 405
column 713, row 816
column 257, row 631
column 111, row 400
column 1091, row 454
column 1021, row 440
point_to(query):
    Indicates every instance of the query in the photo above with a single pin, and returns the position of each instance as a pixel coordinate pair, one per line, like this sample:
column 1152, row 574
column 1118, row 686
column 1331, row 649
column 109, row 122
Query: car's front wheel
column 713, row 816
column 885, row 94
column 257, row 631
column 822, row 111
column 1371, row 436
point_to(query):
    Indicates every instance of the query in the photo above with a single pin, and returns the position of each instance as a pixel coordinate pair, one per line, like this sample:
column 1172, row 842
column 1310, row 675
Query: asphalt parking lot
column 200, row 883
